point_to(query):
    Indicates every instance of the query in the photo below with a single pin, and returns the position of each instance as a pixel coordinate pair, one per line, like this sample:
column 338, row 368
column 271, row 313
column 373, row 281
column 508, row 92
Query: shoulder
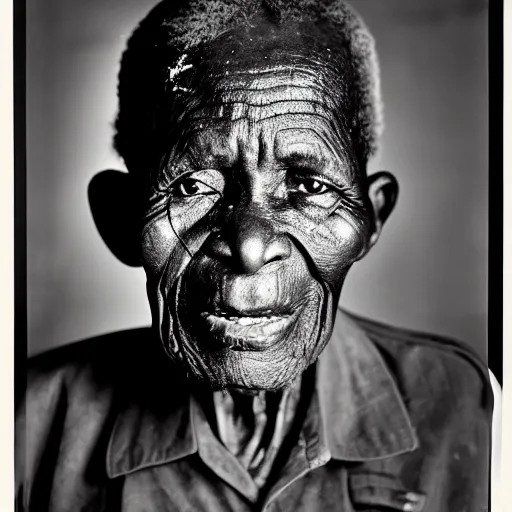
column 446, row 391
column 92, row 364
column 79, row 386
column 92, row 378
column 75, row 393
column 79, row 380
column 426, row 364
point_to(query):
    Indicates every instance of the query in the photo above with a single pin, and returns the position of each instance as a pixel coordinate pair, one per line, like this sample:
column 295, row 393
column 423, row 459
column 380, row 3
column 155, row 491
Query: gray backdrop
column 429, row 269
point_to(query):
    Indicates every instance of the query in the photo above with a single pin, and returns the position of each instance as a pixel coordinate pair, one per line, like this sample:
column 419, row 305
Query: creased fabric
column 396, row 420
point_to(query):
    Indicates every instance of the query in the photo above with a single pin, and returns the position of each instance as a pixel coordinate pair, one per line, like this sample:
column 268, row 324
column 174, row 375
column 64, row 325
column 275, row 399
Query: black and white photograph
column 257, row 257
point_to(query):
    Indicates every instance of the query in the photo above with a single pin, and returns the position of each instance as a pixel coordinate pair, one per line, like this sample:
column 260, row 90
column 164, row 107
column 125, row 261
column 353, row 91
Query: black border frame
column 495, row 265
column 496, row 190
column 20, row 199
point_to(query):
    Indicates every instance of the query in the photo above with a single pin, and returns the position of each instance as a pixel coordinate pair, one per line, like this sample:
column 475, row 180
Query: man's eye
column 205, row 182
column 310, row 186
column 191, row 187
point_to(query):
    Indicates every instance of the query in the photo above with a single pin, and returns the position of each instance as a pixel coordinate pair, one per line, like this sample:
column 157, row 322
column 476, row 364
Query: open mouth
column 247, row 332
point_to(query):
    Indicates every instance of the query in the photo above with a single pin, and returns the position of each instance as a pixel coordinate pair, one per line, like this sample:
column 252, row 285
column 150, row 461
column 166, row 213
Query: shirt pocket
column 379, row 492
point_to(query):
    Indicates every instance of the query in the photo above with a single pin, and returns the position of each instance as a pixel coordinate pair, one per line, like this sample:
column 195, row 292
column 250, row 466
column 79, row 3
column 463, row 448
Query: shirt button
column 414, row 502
column 320, row 461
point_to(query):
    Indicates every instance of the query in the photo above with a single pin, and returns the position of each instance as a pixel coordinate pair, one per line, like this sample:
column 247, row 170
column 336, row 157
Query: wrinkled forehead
column 283, row 80
column 276, row 112
column 263, row 58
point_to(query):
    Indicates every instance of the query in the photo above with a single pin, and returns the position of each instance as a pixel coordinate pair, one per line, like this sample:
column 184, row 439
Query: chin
column 258, row 352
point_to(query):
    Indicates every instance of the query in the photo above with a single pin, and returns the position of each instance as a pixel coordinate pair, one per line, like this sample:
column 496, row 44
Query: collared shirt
column 397, row 421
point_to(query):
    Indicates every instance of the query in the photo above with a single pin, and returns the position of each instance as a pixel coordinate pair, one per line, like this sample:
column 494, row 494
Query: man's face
column 254, row 222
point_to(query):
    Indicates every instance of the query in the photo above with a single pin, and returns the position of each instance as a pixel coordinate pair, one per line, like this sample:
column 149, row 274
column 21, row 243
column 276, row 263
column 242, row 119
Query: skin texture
column 259, row 209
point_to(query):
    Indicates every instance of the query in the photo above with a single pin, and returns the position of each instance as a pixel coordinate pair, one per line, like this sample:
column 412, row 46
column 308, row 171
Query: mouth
column 247, row 332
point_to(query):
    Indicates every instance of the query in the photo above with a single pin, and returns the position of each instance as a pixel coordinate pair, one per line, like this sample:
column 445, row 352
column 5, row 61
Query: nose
column 250, row 242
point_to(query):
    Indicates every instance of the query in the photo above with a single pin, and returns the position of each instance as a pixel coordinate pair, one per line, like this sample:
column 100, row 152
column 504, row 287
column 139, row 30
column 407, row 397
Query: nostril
column 277, row 250
column 275, row 258
column 219, row 248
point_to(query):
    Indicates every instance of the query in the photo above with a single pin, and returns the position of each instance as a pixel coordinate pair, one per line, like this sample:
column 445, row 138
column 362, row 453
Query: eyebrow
column 304, row 157
column 198, row 151
column 309, row 157
column 304, row 153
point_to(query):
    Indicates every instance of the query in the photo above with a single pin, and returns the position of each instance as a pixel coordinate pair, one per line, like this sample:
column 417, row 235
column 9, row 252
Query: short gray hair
column 175, row 27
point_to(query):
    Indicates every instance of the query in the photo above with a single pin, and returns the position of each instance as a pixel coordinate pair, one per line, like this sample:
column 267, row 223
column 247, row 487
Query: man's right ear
column 115, row 199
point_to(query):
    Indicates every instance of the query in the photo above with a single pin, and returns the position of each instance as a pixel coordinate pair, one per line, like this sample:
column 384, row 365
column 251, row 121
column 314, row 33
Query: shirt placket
column 219, row 459
column 310, row 452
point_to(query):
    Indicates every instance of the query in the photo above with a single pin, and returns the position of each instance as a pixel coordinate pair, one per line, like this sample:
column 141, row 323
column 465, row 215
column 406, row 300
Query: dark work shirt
column 397, row 421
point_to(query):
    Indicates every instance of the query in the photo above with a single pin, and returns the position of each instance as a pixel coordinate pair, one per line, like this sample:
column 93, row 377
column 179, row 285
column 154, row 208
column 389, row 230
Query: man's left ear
column 382, row 193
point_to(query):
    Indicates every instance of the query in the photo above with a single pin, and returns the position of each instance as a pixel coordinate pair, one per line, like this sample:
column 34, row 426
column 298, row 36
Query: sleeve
column 468, row 453
column 39, row 423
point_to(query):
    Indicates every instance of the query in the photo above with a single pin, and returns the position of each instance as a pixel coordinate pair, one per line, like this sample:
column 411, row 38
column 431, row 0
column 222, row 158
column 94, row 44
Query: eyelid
column 189, row 175
column 212, row 190
column 308, row 173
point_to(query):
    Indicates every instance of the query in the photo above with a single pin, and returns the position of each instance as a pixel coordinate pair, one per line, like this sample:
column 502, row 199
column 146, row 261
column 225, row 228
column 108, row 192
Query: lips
column 224, row 311
column 246, row 332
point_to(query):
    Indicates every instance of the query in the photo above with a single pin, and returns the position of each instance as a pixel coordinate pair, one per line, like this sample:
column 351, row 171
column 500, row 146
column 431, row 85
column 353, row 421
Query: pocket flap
column 380, row 490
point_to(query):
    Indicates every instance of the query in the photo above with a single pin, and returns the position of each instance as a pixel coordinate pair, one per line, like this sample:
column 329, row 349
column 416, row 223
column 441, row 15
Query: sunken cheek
column 162, row 249
column 333, row 247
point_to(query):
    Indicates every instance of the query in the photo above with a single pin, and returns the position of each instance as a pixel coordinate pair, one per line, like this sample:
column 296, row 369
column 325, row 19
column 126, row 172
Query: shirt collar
column 154, row 417
column 361, row 409
column 362, row 415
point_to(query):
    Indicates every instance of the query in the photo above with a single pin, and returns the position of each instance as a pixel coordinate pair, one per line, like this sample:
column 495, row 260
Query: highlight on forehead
column 162, row 57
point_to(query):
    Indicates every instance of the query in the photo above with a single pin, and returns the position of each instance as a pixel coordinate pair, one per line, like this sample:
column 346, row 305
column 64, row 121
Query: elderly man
column 246, row 127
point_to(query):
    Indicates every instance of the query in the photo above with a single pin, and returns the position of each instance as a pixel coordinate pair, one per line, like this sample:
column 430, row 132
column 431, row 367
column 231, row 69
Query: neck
column 254, row 425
